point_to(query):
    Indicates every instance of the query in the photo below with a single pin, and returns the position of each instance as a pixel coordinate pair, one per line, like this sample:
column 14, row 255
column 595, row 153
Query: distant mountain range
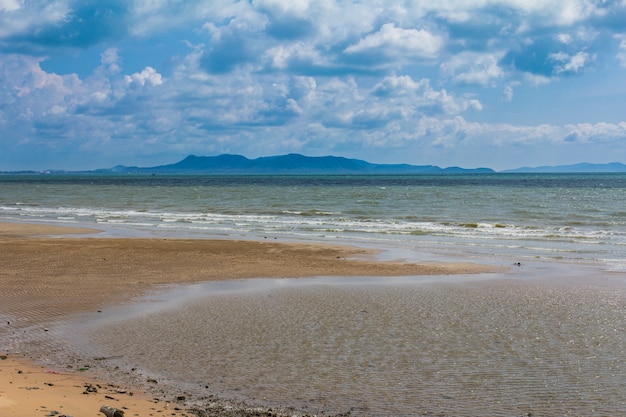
column 332, row 165
column 582, row 168
column 287, row 164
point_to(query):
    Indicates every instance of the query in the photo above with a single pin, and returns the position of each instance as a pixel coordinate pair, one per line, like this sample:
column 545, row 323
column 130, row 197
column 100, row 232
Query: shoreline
column 50, row 273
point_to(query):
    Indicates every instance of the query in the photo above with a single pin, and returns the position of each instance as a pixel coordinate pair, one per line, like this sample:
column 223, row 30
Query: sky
column 88, row 84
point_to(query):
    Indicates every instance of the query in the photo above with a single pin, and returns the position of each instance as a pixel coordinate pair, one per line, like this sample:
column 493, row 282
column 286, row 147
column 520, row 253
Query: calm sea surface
column 460, row 345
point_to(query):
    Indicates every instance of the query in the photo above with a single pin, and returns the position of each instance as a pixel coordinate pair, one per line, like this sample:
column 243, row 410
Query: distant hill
column 286, row 164
column 296, row 164
column 582, row 168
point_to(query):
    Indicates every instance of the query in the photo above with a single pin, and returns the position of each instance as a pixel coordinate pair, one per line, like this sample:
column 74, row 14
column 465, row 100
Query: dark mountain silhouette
column 331, row 165
column 286, row 164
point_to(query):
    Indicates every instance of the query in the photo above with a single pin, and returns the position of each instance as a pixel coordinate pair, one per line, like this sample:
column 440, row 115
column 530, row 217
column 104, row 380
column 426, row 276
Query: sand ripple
column 455, row 349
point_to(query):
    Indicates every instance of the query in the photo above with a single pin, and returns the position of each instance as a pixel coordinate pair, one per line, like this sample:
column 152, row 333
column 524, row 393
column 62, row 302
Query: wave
column 599, row 241
column 334, row 220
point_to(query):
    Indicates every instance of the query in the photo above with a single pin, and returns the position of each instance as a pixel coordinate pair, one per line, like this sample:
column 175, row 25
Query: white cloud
column 564, row 38
column 450, row 104
column 402, row 85
column 28, row 17
column 57, row 110
column 110, row 61
column 99, row 96
column 394, row 99
column 586, row 133
column 156, row 16
column 550, row 11
column 147, row 76
column 571, row 64
column 283, row 56
column 473, row 68
column 534, row 79
column 10, row 5
column 570, row 12
column 31, row 90
column 391, row 40
column 507, row 94
column 503, row 145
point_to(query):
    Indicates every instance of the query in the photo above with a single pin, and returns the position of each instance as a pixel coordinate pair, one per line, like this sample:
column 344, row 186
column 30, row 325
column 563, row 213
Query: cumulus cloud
column 392, row 40
column 31, row 90
column 148, row 76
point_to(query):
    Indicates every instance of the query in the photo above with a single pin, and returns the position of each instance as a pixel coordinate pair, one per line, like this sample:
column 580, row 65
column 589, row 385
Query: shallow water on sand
column 376, row 347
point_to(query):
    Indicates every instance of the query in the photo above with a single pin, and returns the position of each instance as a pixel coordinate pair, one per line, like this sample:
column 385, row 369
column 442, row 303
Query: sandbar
column 45, row 278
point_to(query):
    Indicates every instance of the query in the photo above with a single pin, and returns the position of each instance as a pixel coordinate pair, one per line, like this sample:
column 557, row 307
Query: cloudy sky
column 500, row 83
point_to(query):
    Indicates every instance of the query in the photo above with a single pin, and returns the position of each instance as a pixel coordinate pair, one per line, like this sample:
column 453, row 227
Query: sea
column 449, row 345
column 579, row 218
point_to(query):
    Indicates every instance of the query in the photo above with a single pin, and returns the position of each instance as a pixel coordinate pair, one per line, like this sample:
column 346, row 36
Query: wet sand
column 456, row 346
column 46, row 278
column 47, row 274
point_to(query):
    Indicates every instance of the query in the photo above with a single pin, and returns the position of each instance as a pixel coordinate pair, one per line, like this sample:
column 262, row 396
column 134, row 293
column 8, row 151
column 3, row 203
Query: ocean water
column 531, row 341
column 558, row 217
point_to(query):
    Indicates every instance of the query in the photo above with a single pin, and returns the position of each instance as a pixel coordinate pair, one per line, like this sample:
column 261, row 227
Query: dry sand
column 45, row 277
column 29, row 390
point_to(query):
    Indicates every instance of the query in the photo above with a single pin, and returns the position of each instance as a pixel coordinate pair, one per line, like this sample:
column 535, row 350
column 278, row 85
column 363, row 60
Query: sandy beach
column 51, row 272
column 452, row 339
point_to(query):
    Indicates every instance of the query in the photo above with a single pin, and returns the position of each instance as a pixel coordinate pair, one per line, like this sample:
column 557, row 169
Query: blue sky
column 503, row 84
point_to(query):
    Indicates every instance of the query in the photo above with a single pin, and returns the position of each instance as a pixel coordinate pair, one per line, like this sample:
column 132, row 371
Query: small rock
column 89, row 389
column 111, row 412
